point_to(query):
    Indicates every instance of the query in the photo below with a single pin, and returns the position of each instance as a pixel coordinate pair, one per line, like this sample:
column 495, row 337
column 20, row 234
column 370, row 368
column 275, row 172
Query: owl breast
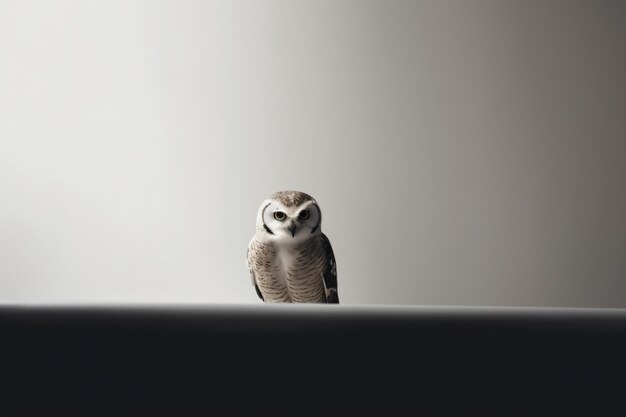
column 287, row 273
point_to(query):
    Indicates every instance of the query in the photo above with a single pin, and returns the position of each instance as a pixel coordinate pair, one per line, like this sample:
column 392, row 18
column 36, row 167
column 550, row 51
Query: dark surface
column 310, row 360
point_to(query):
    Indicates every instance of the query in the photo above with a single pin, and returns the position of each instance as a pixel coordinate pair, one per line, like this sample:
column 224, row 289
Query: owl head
column 289, row 216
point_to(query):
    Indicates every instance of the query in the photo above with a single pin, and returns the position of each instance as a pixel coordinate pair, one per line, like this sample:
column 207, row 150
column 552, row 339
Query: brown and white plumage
column 289, row 258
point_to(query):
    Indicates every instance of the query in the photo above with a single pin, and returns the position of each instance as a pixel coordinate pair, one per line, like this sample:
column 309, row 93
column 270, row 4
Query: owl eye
column 280, row 216
column 304, row 214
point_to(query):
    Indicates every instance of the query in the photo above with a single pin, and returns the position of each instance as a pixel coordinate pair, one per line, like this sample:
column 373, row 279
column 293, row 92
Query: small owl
column 290, row 259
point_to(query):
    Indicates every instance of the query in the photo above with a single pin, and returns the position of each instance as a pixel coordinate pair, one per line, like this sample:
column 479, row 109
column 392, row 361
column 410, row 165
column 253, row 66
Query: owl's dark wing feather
column 330, row 272
column 256, row 287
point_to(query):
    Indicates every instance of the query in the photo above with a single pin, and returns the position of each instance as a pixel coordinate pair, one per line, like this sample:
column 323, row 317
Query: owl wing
column 330, row 272
column 252, row 277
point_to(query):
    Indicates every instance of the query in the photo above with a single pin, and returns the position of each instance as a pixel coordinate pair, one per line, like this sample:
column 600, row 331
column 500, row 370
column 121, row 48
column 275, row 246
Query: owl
column 289, row 258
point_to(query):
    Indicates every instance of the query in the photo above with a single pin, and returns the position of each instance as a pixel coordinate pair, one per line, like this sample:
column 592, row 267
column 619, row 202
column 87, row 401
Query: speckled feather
column 290, row 274
column 291, row 198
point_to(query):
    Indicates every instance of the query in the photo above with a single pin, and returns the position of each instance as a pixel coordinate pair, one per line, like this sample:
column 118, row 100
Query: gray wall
column 464, row 152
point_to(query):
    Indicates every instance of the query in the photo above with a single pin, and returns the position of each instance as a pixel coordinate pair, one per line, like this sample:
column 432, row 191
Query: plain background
column 462, row 152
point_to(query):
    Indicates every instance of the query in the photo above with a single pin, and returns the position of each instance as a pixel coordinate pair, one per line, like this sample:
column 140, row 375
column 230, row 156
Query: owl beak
column 292, row 228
